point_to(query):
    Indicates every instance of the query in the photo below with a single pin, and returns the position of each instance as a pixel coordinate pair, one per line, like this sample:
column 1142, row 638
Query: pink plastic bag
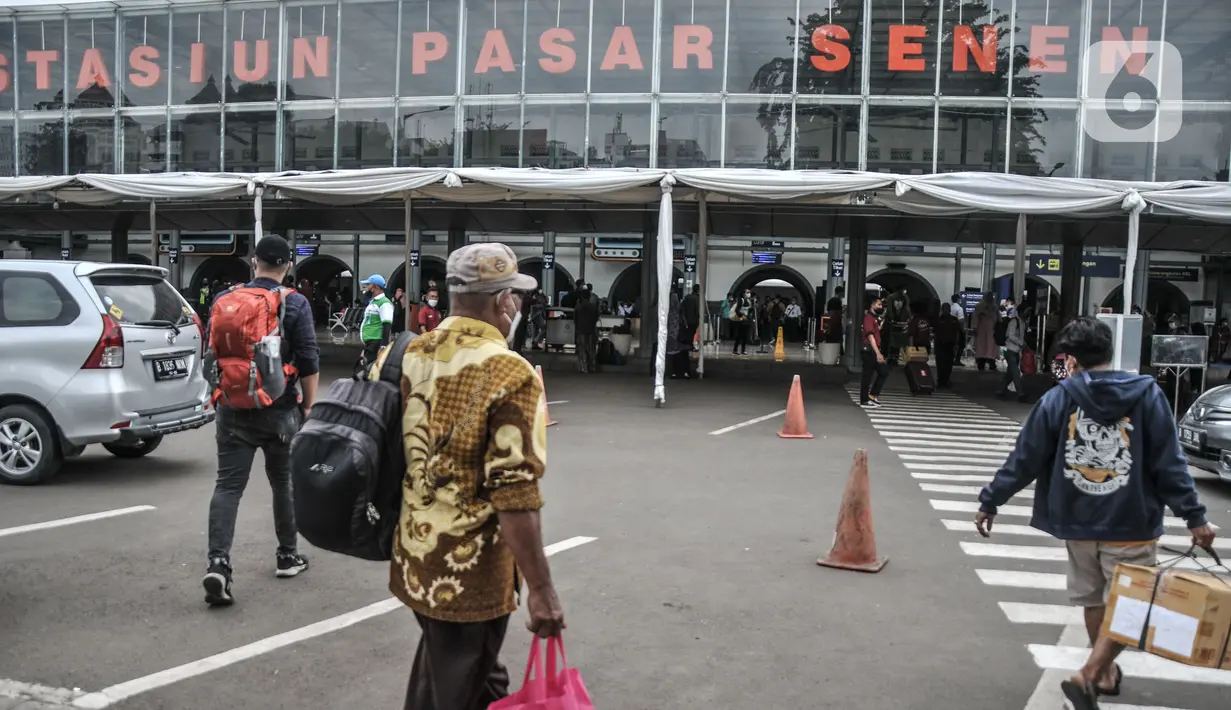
column 563, row 690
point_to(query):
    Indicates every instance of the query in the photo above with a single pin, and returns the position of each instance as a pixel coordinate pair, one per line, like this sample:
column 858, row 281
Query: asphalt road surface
column 685, row 561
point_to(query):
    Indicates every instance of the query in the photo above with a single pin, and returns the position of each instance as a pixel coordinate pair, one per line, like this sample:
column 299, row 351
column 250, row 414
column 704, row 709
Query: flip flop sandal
column 1115, row 689
column 1083, row 696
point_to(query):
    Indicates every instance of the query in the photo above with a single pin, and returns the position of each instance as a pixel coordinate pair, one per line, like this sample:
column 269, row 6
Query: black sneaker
column 291, row 565
column 217, row 583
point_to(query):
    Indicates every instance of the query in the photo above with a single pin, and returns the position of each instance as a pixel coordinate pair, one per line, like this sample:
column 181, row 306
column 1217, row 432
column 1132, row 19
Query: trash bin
column 561, row 330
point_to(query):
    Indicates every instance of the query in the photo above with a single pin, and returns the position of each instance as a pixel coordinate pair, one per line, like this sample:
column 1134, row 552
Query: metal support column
column 357, row 275
column 1220, row 290
column 1072, row 284
column 649, row 285
column 957, row 270
column 837, row 255
column 292, row 238
column 175, row 257
column 414, row 284
column 703, row 257
column 856, row 279
column 119, row 237
column 1019, row 260
column 989, row 267
column 1141, row 279
column 153, row 234
column 66, row 245
column 457, row 239
column 549, row 267
column 582, row 258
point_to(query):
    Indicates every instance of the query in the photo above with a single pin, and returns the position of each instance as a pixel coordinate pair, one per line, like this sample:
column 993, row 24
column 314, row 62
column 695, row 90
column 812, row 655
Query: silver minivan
column 93, row 353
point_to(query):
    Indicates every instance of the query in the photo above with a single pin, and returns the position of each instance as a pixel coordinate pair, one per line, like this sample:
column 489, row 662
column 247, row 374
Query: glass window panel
column 369, row 38
column 1113, row 75
column 311, row 37
column 91, row 145
column 91, row 52
column 554, row 136
column 1202, row 148
column 693, row 45
column 900, row 139
column 558, row 41
column 252, row 53
column 309, row 140
column 1043, row 142
column 831, row 54
column 249, row 142
column 975, row 48
column 196, row 58
column 971, row 139
column 904, row 47
column 8, row 65
column 430, row 50
column 40, row 47
column 1047, row 49
column 622, row 49
column 365, row 137
column 826, row 137
column 194, row 142
column 144, row 50
column 619, row 136
column 494, row 44
column 8, row 162
column 492, row 136
column 145, row 143
column 1201, row 31
column 426, row 137
column 758, row 136
column 42, row 147
column 762, row 54
column 1116, row 160
column 690, row 135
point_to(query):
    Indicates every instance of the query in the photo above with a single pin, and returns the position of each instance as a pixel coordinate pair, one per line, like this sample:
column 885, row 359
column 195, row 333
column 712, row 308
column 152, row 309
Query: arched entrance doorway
column 534, row 266
column 919, row 293
column 431, row 268
column 223, row 269
column 330, row 282
column 781, row 280
column 138, row 259
column 1038, row 293
column 1163, row 298
column 626, row 287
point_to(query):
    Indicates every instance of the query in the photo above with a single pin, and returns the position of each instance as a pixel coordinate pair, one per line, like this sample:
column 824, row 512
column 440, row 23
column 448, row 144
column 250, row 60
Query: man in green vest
column 377, row 323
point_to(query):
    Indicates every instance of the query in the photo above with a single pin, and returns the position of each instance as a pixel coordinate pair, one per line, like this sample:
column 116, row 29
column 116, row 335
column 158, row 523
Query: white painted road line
column 1044, row 554
column 947, row 467
column 74, row 520
column 1000, row 439
column 1022, row 580
column 991, row 458
column 559, row 401
column 750, row 422
column 951, row 447
column 1047, row 694
column 1135, row 665
column 38, row 693
column 1180, row 542
column 1050, row 614
column 965, row 506
column 109, row 696
column 966, row 490
column 942, row 422
column 952, row 478
column 1117, row 706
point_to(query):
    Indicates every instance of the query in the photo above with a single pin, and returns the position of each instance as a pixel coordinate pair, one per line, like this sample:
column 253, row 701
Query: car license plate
column 1193, row 438
column 170, row 368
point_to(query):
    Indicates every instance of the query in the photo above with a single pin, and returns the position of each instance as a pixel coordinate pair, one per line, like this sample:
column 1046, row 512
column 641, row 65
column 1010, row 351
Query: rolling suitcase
column 919, row 377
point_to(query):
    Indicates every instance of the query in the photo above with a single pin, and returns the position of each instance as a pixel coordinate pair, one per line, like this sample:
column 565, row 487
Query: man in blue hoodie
column 1102, row 451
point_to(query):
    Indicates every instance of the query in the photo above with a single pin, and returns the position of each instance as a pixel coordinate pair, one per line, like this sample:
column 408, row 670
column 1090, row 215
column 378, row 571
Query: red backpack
column 249, row 369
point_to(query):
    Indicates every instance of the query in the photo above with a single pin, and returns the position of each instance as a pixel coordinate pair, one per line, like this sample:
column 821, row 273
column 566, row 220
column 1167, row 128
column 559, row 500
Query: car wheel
column 134, row 450
column 29, row 454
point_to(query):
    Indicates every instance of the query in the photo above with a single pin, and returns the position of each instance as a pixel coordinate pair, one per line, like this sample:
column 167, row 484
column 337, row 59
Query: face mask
column 878, row 310
column 513, row 322
column 747, row 295
column 432, row 302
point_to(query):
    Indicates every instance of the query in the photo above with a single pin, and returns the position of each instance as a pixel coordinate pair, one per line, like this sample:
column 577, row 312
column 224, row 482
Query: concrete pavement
column 699, row 589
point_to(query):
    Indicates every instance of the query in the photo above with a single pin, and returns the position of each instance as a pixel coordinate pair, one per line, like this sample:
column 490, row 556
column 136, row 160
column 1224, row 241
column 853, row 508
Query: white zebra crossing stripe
column 955, row 478
column 943, row 422
column 968, row 490
column 1178, row 542
column 954, row 467
column 948, row 447
column 1117, row 706
column 997, row 438
column 1135, row 665
column 1022, row 580
column 965, row 456
column 1038, row 553
column 1050, row 614
column 961, row 506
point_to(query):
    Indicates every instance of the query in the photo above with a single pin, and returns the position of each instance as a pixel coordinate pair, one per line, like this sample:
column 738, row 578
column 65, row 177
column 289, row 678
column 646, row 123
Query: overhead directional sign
column 1092, row 266
column 1044, row 265
column 837, row 269
column 690, row 264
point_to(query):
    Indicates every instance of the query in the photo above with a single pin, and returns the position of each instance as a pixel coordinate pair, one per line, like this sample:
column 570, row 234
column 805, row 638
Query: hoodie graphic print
column 1097, row 457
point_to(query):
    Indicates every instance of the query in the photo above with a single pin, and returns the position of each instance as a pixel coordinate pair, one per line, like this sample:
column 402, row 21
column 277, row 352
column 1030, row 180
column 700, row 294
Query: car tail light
column 109, row 353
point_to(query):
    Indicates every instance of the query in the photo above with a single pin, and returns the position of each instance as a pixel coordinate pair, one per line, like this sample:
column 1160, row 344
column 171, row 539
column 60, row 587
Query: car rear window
column 140, row 299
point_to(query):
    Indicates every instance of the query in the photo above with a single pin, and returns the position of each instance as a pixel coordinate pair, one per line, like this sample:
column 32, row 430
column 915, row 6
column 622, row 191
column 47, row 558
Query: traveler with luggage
column 1014, row 344
column 984, row 322
column 948, row 343
column 264, row 342
column 875, row 365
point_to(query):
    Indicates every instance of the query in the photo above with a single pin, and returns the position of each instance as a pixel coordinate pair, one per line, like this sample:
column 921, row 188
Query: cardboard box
column 1185, row 615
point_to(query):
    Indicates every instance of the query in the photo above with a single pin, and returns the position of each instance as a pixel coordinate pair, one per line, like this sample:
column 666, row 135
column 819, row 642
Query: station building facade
column 903, row 86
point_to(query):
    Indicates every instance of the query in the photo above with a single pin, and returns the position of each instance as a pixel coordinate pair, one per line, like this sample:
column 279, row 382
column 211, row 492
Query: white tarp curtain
column 664, row 259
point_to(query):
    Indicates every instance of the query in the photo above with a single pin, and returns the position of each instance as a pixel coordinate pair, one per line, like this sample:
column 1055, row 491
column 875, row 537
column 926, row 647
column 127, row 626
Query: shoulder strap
column 283, row 292
column 392, row 371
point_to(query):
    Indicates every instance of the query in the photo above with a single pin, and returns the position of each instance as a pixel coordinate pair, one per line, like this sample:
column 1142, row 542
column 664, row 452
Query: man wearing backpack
column 377, row 325
column 475, row 436
column 264, row 341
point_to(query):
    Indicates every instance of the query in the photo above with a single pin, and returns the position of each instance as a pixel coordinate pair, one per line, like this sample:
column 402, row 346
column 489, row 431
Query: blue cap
column 375, row 280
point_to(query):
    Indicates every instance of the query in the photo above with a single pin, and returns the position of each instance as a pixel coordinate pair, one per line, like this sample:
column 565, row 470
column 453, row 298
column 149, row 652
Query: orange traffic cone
column 854, row 541
column 539, row 370
column 796, row 426
column 779, row 348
